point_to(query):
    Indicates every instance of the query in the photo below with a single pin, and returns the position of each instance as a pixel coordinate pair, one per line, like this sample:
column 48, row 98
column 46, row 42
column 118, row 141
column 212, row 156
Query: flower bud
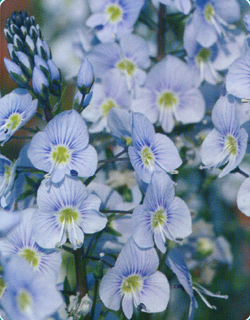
column 40, row 83
column 42, row 49
column 42, row 65
column 17, row 41
column 56, row 78
column 85, row 77
column 85, row 306
column 24, row 62
column 12, row 52
column 29, row 45
column 16, row 73
column 8, row 35
column 33, row 33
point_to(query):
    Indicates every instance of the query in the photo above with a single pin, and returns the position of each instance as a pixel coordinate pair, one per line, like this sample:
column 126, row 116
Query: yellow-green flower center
column 24, row 301
column 14, row 121
column 147, row 156
column 209, row 12
column 30, row 256
column 7, row 172
column 2, row 287
column 168, row 100
column 131, row 284
column 68, row 215
column 126, row 66
column 61, row 155
column 203, row 56
column 109, row 104
column 231, row 145
column 205, row 247
column 158, row 218
column 114, row 13
column 128, row 141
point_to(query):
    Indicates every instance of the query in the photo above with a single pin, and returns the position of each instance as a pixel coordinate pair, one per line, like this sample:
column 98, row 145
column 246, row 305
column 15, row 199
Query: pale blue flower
column 237, row 79
column 9, row 220
column 206, row 62
column 66, row 212
column 170, row 94
column 21, row 241
column 63, row 146
column 151, row 151
column 112, row 93
column 134, row 280
column 130, row 57
column 213, row 18
column 226, row 144
column 161, row 216
column 16, row 108
column 243, row 197
column 29, row 296
column 113, row 18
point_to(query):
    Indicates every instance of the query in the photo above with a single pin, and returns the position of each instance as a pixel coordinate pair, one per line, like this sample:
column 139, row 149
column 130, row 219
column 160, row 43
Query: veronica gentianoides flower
column 134, row 280
column 63, row 147
column 16, row 108
column 226, row 144
column 161, row 216
column 151, row 151
column 66, row 212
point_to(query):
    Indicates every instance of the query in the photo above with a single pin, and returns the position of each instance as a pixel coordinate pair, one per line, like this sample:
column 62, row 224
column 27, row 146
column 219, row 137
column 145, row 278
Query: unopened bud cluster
column 31, row 59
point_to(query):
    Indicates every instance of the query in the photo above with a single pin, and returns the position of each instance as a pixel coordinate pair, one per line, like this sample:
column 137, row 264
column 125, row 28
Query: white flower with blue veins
column 66, row 212
column 113, row 18
column 134, row 280
column 226, row 144
column 16, row 108
column 63, row 148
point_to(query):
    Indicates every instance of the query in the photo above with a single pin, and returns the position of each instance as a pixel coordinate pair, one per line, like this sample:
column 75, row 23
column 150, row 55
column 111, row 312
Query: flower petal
column 156, row 292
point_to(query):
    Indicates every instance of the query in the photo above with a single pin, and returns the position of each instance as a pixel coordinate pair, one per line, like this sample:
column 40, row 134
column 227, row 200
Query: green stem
column 238, row 170
column 94, row 300
column 81, row 276
column 161, row 32
column 115, row 158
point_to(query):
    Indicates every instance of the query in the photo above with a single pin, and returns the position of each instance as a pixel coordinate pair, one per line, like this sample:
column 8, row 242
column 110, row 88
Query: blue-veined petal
column 156, row 292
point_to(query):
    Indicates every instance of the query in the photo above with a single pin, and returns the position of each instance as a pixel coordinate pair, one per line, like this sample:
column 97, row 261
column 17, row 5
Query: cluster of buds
column 31, row 61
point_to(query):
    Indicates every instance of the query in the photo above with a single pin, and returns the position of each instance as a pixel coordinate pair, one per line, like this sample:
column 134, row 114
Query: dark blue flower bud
column 42, row 49
column 33, row 32
column 40, row 83
column 14, row 29
column 18, row 43
column 55, row 77
column 24, row 31
column 24, row 62
column 16, row 73
column 12, row 52
column 8, row 35
column 42, row 65
column 29, row 45
column 85, row 77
